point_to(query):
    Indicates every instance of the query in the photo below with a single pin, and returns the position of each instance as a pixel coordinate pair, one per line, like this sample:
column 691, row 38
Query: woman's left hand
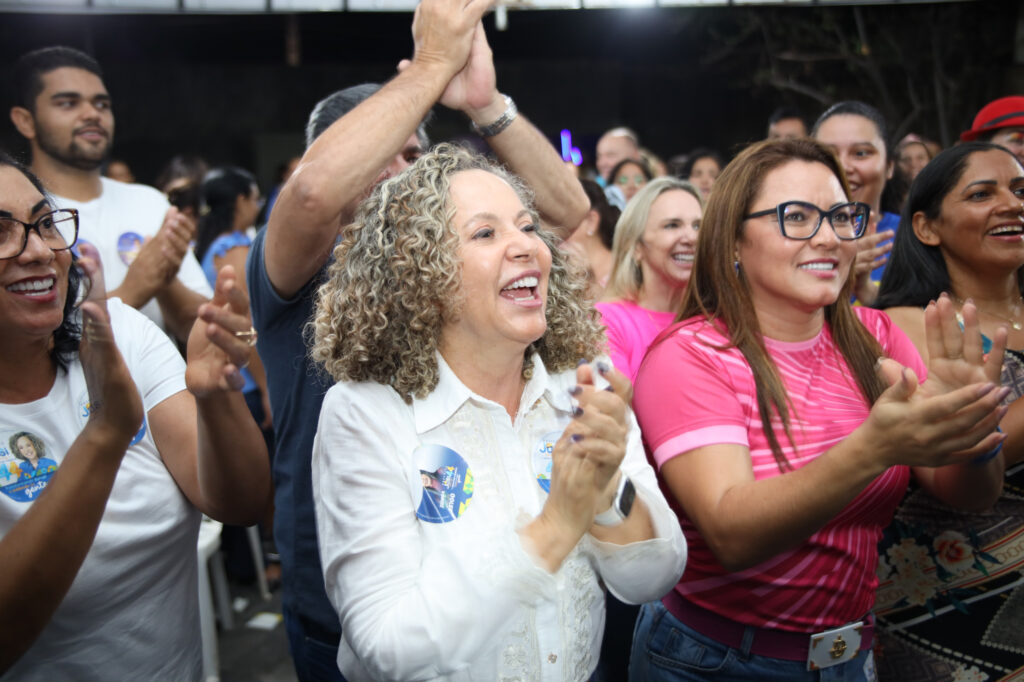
column 955, row 356
column 219, row 344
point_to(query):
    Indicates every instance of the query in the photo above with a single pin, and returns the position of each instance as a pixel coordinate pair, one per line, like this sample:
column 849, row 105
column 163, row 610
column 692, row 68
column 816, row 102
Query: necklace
column 1016, row 324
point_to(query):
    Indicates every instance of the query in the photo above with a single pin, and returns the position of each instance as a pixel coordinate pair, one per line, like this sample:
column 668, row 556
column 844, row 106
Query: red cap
column 1005, row 112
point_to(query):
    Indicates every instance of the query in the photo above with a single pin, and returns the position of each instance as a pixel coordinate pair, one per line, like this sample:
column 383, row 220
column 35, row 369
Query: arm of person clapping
column 221, row 463
column 948, row 420
column 586, row 471
column 42, row 553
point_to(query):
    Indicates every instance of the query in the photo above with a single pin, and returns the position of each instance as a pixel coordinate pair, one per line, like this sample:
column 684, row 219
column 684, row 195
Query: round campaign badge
column 541, row 459
column 444, row 484
column 128, row 246
column 26, row 465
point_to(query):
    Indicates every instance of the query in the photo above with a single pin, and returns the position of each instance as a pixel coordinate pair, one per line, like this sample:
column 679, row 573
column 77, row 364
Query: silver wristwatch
column 621, row 506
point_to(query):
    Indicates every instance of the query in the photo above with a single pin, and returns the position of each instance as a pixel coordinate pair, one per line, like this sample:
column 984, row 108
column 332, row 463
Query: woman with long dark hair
column 945, row 576
column 98, row 549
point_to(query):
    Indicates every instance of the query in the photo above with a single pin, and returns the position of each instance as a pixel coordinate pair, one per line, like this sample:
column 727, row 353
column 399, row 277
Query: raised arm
column 206, row 435
column 42, row 553
column 342, row 164
column 560, row 198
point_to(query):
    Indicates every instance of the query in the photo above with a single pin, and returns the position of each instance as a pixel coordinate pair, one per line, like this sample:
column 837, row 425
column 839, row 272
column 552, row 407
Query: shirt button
column 552, row 658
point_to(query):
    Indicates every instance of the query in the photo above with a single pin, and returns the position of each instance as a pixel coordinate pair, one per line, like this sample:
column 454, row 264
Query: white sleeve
column 643, row 571
column 152, row 358
column 409, row 608
column 191, row 275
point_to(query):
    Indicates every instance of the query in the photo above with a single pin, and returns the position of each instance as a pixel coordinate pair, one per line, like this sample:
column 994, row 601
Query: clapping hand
column 952, row 416
column 586, row 458
column 115, row 407
column 219, row 345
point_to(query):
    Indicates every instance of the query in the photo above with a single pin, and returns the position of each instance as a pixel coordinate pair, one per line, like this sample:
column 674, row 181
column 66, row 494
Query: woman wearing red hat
column 1001, row 122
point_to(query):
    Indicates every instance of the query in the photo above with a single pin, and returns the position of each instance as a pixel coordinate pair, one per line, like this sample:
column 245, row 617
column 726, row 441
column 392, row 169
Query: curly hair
column 396, row 280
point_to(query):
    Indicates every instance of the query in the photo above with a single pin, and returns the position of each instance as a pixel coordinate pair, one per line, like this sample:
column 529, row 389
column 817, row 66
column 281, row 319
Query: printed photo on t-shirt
column 26, row 465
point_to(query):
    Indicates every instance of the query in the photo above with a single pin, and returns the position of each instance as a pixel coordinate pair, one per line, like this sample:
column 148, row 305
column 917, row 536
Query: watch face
column 626, row 498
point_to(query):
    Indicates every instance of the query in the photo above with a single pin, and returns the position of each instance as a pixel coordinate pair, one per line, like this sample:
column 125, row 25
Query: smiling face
column 505, row 269
column 27, row 449
column 861, row 152
column 666, row 249
column 980, row 227
column 33, row 285
column 705, row 171
column 73, row 122
column 788, row 277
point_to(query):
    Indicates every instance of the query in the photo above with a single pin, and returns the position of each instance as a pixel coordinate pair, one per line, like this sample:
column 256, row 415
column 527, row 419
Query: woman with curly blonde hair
column 473, row 485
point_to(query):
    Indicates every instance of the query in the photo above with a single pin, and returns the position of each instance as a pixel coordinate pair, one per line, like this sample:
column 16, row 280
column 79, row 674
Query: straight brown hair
column 719, row 291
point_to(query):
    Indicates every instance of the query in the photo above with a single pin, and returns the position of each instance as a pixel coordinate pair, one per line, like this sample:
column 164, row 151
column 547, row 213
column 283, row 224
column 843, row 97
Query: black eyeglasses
column 57, row 229
column 801, row 220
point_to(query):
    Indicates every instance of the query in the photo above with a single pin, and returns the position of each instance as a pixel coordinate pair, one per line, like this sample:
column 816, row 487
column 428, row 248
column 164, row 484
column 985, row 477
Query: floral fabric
column 950, row 603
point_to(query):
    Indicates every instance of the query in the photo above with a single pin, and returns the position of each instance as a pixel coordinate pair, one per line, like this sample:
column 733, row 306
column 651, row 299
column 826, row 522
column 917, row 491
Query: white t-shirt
column 417, row 508
column 132, row 611
column 117, row 222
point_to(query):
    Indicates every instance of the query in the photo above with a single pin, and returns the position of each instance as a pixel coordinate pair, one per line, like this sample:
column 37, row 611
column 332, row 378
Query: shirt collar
column 450, row 394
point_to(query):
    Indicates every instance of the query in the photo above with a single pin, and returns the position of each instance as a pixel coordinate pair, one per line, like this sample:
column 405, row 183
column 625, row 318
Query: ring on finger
column 249, row 336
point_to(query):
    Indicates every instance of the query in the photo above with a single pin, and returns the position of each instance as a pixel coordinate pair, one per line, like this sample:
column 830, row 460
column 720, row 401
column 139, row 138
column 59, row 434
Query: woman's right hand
column 115, row 408
column 950, row 418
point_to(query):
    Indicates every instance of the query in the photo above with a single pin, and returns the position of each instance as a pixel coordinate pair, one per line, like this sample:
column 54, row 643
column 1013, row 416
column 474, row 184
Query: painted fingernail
column 985, row 389
column 581, row 362
column 610, row 388
column 576, row 437
column 576, row 390
column 1003, row 392
column 577, row 411
column 603, row 367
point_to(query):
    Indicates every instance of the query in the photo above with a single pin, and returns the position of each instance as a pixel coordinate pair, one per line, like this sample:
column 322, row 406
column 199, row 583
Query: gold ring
column 248, row 336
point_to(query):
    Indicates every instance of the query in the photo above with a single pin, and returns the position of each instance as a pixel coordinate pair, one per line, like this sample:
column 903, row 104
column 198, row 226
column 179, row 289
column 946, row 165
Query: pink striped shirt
column 690, row 394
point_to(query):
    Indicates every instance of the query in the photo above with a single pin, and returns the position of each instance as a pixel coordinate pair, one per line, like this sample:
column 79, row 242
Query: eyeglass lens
column 56, row 229
column 800, row 220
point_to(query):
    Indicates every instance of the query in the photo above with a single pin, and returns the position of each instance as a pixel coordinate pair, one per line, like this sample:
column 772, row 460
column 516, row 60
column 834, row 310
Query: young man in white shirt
column 64, row 112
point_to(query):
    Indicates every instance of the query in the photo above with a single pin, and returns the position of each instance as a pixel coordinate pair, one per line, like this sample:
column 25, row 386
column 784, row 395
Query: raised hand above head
column 444, row 31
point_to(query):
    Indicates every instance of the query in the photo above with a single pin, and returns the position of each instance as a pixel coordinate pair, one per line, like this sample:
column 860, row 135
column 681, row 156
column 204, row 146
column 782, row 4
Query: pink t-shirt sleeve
column 896, row 344
column 618, row 347
column 687, row 396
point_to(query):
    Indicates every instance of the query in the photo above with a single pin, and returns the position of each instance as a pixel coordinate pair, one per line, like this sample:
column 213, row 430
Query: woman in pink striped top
column 786, row 444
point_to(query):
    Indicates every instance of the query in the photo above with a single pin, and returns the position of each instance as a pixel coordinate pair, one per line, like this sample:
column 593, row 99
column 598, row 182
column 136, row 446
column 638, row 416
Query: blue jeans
column 315, row 660
column 666, row 650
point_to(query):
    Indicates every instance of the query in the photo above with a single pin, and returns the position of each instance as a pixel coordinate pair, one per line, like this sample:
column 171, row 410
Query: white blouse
column 419, row 546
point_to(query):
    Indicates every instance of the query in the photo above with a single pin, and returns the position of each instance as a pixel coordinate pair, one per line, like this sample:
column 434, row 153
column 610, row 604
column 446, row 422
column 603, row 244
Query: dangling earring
column 736, row 265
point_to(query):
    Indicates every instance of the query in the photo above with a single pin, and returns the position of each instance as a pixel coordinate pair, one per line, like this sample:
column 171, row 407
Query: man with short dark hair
column 357, row 138
column 786, row 122
column 64, row 111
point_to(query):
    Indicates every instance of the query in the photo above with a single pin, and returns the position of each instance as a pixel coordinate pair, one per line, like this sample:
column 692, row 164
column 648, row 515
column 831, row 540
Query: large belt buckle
column 833, row 647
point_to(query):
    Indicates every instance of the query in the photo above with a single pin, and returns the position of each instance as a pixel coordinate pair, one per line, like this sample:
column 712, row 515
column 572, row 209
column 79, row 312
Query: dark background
column 221, row 85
